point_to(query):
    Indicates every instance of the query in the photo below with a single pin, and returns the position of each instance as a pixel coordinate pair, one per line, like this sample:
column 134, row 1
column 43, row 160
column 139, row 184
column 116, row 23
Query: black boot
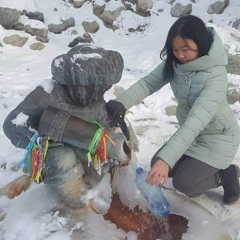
column 229, row 180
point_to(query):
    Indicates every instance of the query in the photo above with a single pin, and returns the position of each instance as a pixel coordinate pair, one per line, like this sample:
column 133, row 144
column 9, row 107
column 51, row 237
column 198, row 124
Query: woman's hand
column 158, row 172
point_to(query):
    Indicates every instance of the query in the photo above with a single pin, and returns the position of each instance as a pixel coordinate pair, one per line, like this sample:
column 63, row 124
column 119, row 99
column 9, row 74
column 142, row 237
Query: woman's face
column 185, row 50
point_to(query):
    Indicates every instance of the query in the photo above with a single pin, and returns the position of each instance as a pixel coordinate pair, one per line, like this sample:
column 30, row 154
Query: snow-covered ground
column 21, row 70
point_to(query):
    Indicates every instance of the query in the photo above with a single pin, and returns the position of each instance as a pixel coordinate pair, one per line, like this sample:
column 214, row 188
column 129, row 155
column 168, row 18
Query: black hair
column 189, row 27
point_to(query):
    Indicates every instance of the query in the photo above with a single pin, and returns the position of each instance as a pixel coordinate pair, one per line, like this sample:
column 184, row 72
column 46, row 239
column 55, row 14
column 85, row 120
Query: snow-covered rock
column 9, row 17
column 179, row 10
column 218, row 7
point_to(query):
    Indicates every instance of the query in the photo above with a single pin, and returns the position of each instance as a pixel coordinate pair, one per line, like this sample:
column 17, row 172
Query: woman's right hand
column 158, row 172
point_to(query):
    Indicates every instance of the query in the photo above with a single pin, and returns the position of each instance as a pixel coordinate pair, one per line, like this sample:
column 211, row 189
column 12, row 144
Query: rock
column 171, row 110
column 37, row 46
column 64, row 25
column 144, row 5
column 34, row 15
column 78, row 3
column 18, row 26
column 1, row 44
column 171, row 1
column 218, row 7
column 233, row 64
column 90, row 26
column 232, row 95
column 4, row 165
column 9, row 17
column 236, row 24
column 109, row 15
column 74, row 32
column 79, row 39
column 130, row 5
column 42, row 39
column 15, row 168
column 34, row 31
column 33, row 27
column 98, row 10
column 178, row 10
column 15, row 40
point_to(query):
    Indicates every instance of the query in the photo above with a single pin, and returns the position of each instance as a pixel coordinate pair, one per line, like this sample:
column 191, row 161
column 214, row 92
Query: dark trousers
column 191, row 176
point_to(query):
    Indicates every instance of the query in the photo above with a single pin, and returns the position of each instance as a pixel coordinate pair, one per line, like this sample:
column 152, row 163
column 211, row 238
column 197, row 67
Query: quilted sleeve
column 201, row 113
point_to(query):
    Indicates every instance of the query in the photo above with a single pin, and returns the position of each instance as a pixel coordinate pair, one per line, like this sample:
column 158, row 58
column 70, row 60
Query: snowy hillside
column 27, row 48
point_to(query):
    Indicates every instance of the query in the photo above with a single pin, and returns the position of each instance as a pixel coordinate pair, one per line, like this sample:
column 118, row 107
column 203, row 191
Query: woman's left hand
column 158, row 172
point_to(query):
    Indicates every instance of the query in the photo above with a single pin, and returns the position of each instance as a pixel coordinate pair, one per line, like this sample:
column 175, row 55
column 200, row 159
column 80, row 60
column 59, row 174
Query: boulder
column 15, row 40
column 171, row 1
column 9, row 17
column 130, row 5
column 218, row 7
column 112, row 12
column 144, row 5
column 233, row 64
column 33, row 15
column 42, row 39
column 37, row 46
column 86, row 38
column 179, row 10
column 34, row 31
column 232, row 94
column 90, row 26
column 236, row 24
column 64, row 25
column 78, row 3
column 33, row 27
column 98, row 9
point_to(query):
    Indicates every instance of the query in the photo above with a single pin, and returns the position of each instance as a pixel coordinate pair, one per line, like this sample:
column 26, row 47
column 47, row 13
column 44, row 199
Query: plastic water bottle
column 159, row 205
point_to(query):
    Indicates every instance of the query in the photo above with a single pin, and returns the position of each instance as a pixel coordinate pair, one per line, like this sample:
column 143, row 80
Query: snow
column 113, row 5
column 30, row 215
column 48, row 85
column 20, row 120
column 85, row 57
column 32, row 23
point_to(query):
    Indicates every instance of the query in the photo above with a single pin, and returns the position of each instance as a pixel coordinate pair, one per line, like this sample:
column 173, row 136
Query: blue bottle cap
column 139, row 170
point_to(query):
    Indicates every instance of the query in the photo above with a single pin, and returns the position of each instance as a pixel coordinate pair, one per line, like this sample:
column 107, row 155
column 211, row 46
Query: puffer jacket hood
column 215, row 57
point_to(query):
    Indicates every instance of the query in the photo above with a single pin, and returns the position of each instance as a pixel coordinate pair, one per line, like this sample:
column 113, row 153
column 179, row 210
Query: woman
column 199, row 155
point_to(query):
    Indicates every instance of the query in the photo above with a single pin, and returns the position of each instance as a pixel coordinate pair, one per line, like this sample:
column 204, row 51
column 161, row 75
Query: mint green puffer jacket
column 208, row 131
